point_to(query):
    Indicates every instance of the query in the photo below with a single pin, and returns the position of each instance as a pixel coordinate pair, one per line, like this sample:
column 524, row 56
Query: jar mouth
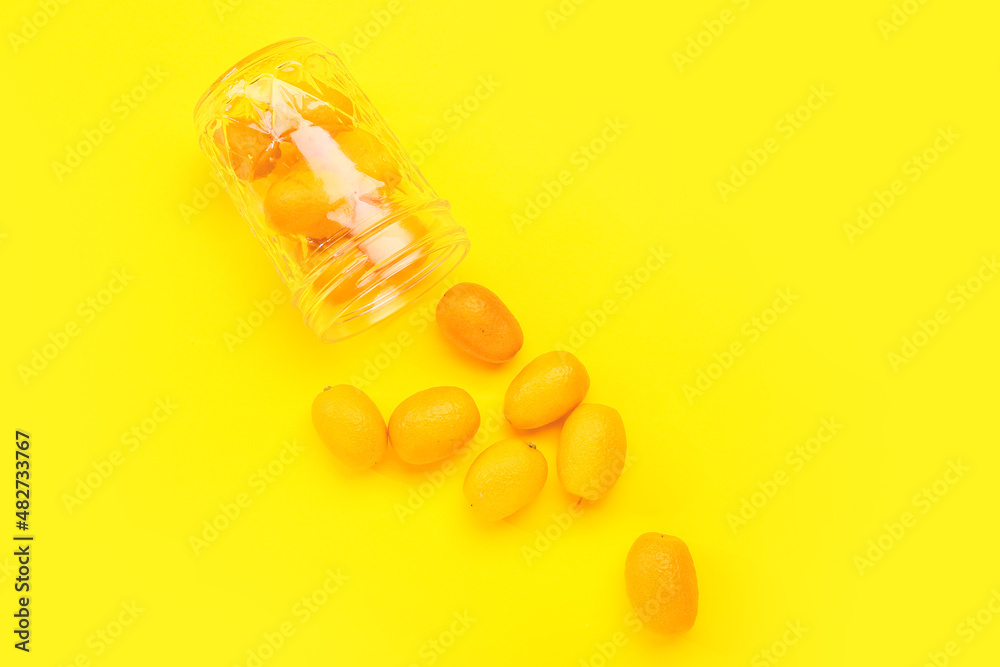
column 244, row 65
column 443, row 251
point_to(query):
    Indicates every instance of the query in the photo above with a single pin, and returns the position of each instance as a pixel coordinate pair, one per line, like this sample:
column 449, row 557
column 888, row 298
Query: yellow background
column 656, row 185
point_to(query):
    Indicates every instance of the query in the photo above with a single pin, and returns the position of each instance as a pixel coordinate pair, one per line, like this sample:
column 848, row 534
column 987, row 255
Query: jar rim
column 447, row 251
column 245, row 63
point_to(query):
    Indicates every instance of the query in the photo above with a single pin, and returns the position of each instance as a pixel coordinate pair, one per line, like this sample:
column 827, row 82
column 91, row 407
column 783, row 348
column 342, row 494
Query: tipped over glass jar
column 348, row 220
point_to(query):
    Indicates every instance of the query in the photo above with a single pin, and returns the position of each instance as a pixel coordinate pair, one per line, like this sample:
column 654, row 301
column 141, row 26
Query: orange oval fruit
column 505, row 477
column 302, row 202
column 477, row 322
column 550, row 385
column 289, row 155
column 251, row 151
column 369, row 156
column 245, row 137
column 591, row 454
column 433, row 423
column 661, row 583
column 304, row 98
column 333, row 109
column 350, row 425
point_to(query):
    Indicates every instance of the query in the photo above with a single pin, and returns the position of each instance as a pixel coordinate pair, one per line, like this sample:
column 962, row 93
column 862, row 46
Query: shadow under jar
column 348, row 220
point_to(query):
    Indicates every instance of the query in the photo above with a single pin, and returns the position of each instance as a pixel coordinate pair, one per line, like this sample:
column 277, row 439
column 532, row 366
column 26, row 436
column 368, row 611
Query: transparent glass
column 348, row 220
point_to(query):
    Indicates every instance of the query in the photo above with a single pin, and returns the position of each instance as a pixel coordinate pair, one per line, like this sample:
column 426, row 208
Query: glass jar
column 348, row 220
